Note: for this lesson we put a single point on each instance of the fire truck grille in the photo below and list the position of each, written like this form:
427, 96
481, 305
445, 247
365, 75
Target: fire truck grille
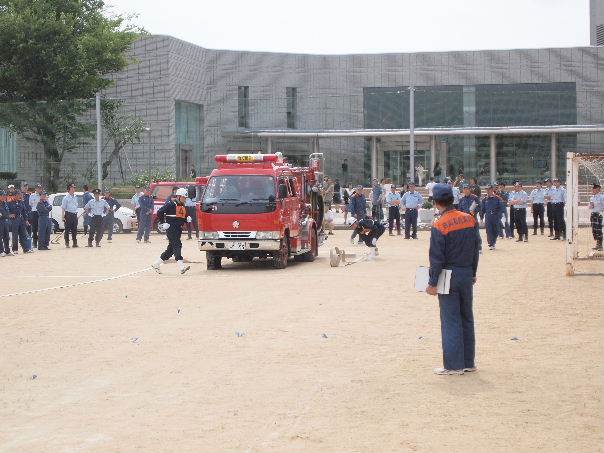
237, 234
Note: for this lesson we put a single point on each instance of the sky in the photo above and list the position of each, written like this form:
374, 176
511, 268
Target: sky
378, 26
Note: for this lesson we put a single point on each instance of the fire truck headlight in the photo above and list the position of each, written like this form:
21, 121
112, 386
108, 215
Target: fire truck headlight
208, 235
268, 235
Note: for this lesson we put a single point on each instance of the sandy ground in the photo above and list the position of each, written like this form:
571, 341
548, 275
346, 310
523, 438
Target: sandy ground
308, 359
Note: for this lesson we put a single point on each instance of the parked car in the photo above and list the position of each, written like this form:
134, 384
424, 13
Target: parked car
125, 219
161, 190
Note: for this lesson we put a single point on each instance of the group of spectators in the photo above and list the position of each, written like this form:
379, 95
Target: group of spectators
24, 219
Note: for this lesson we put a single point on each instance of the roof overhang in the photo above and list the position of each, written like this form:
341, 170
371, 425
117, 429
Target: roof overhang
438, 131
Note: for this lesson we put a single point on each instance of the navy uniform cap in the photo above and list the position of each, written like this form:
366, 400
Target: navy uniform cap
597, 186
465, 186
366, 223
441, 192
96, 191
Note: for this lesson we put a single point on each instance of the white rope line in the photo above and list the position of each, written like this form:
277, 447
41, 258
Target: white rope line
73, 285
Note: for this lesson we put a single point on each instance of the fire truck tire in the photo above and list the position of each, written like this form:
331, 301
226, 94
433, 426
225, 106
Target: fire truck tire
280, 258
313, 252
213, 261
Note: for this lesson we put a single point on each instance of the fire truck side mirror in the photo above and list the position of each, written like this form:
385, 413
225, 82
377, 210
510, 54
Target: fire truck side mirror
282, 191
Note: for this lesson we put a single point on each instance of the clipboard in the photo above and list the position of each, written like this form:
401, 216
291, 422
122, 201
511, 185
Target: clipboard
422, 275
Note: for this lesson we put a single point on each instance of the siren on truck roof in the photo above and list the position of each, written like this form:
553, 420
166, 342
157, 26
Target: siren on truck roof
249, 158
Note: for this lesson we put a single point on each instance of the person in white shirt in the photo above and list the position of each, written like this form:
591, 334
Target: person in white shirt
537, 198
596, 206
393, 200
430, 187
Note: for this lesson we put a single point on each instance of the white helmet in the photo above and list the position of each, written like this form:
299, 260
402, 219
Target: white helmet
182, 192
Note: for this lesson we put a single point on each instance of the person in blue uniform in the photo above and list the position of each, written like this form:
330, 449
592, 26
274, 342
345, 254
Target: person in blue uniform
491, 210
470, 204
370, 233
454, 245
96, 210
411, 202
519, 201
557, 196
17, 215
171, 216
145, 204
393, 200
109, 219
43, 208
4, 226
596, 206
537, 198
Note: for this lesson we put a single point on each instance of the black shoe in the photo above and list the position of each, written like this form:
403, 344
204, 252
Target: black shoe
75, 246
519, 239
413, 237
555, 238
67, 245
525, 239
407, 237
390, 234
98, 245
89, 245
535, 233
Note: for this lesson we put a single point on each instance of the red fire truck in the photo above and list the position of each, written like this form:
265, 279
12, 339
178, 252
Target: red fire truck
162, 190
258, 206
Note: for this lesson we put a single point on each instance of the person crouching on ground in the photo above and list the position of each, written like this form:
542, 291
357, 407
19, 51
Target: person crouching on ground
43, 208
171, 216
454, 245
370, 233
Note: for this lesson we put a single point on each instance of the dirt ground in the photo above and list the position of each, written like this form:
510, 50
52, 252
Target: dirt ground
308, 359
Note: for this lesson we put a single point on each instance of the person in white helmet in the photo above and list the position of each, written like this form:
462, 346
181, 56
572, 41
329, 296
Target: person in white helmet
171, 216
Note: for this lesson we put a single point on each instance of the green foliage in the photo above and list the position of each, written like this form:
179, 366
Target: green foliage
145, 178
60, 49
427, 205
121, 130
54, 57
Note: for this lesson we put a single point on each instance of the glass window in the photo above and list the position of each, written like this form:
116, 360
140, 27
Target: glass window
243, 106
525, 159
239, 194
291, 94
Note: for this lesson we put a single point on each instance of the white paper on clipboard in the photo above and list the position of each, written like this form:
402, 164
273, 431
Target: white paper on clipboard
422, 276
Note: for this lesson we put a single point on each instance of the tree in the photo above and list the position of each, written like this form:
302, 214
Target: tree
121, 130
54, 57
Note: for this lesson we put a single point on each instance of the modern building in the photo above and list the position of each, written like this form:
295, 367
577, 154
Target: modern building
596, 22
495, 114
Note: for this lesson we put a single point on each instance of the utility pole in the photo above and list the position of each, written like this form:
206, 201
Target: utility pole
412, 133
99, 132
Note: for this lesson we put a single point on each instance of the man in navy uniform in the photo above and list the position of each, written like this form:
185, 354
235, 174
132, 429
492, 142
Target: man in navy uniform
411, 201
18, 221
454, 245
491, 211
537, 198
96, 210
371, 230
470, 204
4, 226
145, 204
171, 216
86, 197
109, 219
43, 210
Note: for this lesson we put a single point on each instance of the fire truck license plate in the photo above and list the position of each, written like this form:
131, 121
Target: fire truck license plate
237, 246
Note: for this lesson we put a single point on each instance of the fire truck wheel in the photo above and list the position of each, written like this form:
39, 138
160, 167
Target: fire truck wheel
213, 261
280, 257
313, 252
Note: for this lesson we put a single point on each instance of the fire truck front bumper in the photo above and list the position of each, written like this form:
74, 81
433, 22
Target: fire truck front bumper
251, 241
229, 245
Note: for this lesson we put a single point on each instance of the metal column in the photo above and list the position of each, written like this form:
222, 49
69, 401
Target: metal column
493, 158
99, 138
373, 158
432, 154
554, 155
269, 145
412, 133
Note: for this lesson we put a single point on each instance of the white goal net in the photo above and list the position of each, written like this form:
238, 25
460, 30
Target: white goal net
584, 232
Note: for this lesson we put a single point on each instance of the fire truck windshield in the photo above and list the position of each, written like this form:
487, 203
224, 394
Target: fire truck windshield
239, 194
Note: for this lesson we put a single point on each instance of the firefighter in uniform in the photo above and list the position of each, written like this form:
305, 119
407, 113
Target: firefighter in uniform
370, 233
596, 206
549, 210
4, 226
171, 217
491, 210
557, 196
518, 200
454, 245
